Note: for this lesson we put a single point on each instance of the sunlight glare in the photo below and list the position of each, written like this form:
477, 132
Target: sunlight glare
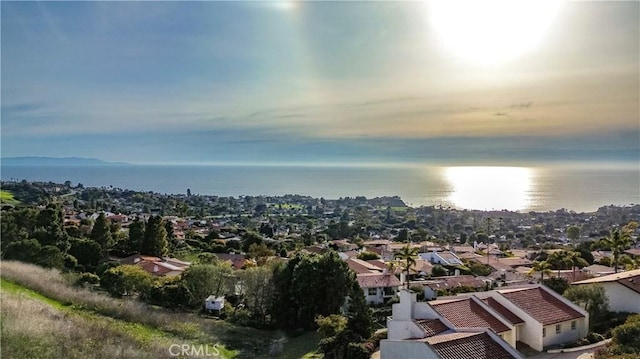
487, 188
492, 31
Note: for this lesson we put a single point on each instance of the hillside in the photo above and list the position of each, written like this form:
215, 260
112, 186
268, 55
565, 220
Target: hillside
43, 316
54, 161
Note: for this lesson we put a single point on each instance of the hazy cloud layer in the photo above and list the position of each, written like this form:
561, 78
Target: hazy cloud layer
337, 81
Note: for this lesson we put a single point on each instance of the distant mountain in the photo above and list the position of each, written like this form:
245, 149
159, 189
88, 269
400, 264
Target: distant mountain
55, 161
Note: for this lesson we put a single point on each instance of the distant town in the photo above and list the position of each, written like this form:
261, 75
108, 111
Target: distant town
509, 281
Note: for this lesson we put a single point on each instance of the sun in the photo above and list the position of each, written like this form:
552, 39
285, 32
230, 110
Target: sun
486, 188
491, 31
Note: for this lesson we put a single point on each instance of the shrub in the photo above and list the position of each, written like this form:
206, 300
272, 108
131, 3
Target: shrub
627, 336
87, 279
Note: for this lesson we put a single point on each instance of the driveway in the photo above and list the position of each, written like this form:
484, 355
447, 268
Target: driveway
582, 354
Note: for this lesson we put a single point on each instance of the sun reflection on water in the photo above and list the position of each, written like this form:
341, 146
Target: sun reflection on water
485, 188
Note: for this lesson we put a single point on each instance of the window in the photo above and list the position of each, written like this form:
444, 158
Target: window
544, 332
558, 328
573, 325
388, 291
373, 291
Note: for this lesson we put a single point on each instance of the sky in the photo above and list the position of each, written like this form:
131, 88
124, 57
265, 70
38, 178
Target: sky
322, 82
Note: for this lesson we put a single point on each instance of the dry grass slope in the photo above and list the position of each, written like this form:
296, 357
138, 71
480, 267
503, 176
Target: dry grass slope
33, 329
236, 342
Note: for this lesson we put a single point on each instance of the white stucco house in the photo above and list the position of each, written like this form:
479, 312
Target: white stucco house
549, 319
532, 314
622, 290
417, 330
444, 258
378, 287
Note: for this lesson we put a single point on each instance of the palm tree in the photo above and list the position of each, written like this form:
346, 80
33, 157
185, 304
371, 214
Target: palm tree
617, 243
407, 253
541, 267
557, 260
576, 261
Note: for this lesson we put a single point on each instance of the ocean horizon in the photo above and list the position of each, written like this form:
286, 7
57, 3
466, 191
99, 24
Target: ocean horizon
535, 188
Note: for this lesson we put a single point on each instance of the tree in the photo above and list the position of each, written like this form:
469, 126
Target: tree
342, 336
136, 235
403, 235
573, 233
101, 233
438, 271
592, 298
207, 258
203, 280
26, 250
86, 251
542, 267
126, 280
617, 242
366, 256
557, 284
51, 257
250, 238
259, 290
585, 252
298, 301
626, 338
359, 313
261, 253
576, 261
155, 237
407, 254
51, 221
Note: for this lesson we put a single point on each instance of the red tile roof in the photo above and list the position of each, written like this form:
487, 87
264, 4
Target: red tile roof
633, 251
432, 326
237, 260
466, 313
632, 283
506, 313
468, 346
359, 266
372, 280
542, 306
160, 268
136, 258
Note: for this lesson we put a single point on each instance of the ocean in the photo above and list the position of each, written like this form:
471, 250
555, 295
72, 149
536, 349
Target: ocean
536, 188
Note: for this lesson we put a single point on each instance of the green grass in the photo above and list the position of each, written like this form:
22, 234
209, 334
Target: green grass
303, 346
7, 197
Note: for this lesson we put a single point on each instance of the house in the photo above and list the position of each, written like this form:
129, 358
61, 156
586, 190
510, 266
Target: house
449, 284
443, 258
549, 319
622, 290
471, 312
348, 254
417, 330
237, 260
533, 314
378, 287
598, 270
359, 266
161, 267
213, 303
